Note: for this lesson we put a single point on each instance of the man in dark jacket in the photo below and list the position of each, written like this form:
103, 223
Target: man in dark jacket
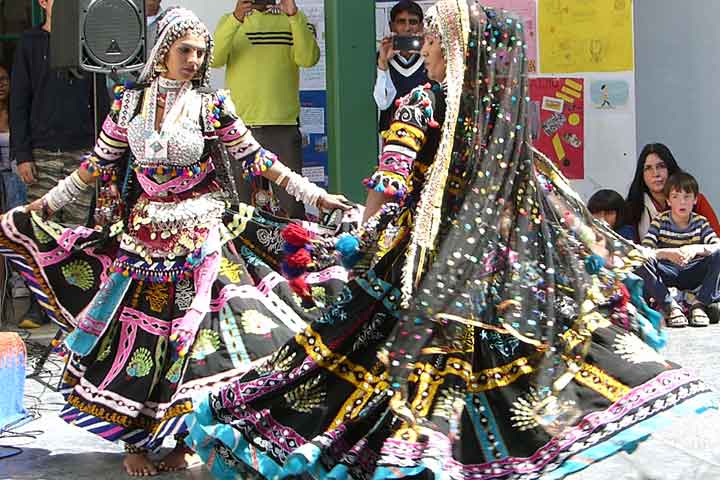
52, 124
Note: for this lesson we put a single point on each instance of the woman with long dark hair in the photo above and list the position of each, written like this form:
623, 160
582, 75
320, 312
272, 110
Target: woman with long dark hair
484, 333
646, 197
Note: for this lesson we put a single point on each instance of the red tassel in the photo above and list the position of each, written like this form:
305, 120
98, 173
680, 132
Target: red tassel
299, 259
624, 295
300, 286
296, 235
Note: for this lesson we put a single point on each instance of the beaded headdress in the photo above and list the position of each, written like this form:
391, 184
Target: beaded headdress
450, 20
175, 23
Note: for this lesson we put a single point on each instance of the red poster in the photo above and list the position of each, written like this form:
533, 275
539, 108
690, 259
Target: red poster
557, 117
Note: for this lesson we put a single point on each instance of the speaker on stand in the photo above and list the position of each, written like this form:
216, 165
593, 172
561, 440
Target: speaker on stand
98, 36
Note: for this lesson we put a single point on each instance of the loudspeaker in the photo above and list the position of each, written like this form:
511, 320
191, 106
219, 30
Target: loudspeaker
98, 35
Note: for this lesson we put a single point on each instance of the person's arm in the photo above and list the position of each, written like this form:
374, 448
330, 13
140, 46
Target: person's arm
256, 161
705, 209
224, 36
101, 166
306, 51
385, 91
710, 243
21, 105
403, 141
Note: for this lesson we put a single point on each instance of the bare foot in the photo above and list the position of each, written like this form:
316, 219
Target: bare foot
180, 458
139, 465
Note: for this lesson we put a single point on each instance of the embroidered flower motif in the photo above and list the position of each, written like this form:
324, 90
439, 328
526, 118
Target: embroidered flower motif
157, 295
631, 348
542, 409
255, 323
308, 396
79, 274
230, 270
450, 404
173, 373
140, 364
206, 343
282, 361
41, 235
184, 294
319, 296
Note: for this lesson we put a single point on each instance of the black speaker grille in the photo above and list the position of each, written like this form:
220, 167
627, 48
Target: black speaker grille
112, 31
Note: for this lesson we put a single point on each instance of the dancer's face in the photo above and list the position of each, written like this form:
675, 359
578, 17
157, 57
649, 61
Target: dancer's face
434, 59
185, 57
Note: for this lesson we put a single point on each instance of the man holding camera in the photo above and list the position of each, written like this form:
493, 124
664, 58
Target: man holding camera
400, 66
263, 44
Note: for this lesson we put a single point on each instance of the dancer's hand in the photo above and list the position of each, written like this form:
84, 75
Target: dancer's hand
333, 202
35, 206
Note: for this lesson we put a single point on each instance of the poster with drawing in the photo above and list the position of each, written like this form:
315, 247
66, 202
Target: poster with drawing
558, 121
527, 11
610, 95
585, 36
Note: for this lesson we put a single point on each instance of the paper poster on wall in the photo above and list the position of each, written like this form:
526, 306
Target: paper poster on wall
314, 78
313, 128
313, 101
585, 36
559, 113
610, 95
527, 11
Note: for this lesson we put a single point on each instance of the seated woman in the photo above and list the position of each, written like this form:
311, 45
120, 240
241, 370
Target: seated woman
646, 197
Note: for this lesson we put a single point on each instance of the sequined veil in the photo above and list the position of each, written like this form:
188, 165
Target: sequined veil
501, 335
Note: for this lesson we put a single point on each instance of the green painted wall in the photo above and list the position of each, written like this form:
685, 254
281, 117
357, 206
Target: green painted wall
352, 135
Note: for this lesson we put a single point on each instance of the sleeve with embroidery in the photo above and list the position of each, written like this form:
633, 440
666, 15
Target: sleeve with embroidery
110, 146
237, 138
402, 142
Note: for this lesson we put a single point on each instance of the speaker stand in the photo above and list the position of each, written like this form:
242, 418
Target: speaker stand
35, 375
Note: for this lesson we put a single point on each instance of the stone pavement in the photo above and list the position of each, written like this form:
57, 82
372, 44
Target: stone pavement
687, 450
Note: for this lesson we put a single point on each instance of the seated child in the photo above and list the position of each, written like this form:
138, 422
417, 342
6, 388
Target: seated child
686, 248
609, 206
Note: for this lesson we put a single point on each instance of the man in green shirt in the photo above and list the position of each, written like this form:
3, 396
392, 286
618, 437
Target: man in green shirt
263, 48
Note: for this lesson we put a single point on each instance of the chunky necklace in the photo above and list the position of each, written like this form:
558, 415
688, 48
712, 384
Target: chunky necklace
169, 85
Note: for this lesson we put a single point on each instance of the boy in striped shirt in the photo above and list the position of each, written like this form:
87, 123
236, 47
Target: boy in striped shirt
686, 247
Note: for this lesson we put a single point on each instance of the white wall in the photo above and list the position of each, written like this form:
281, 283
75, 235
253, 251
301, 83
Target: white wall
677, 78
209, 12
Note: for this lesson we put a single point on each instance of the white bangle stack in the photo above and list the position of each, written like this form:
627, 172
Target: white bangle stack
67, 190
302, 189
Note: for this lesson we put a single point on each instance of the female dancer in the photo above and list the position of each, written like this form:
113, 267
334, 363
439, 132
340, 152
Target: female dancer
176, 294
486, 333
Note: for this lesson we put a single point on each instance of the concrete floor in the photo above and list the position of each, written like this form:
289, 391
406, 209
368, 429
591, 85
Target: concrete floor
687, 450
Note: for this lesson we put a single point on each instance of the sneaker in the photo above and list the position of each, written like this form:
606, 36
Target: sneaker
713, 312
698, 317
675, 318
33, 318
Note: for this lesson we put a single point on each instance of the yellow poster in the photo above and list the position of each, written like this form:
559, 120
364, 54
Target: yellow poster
585, 35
